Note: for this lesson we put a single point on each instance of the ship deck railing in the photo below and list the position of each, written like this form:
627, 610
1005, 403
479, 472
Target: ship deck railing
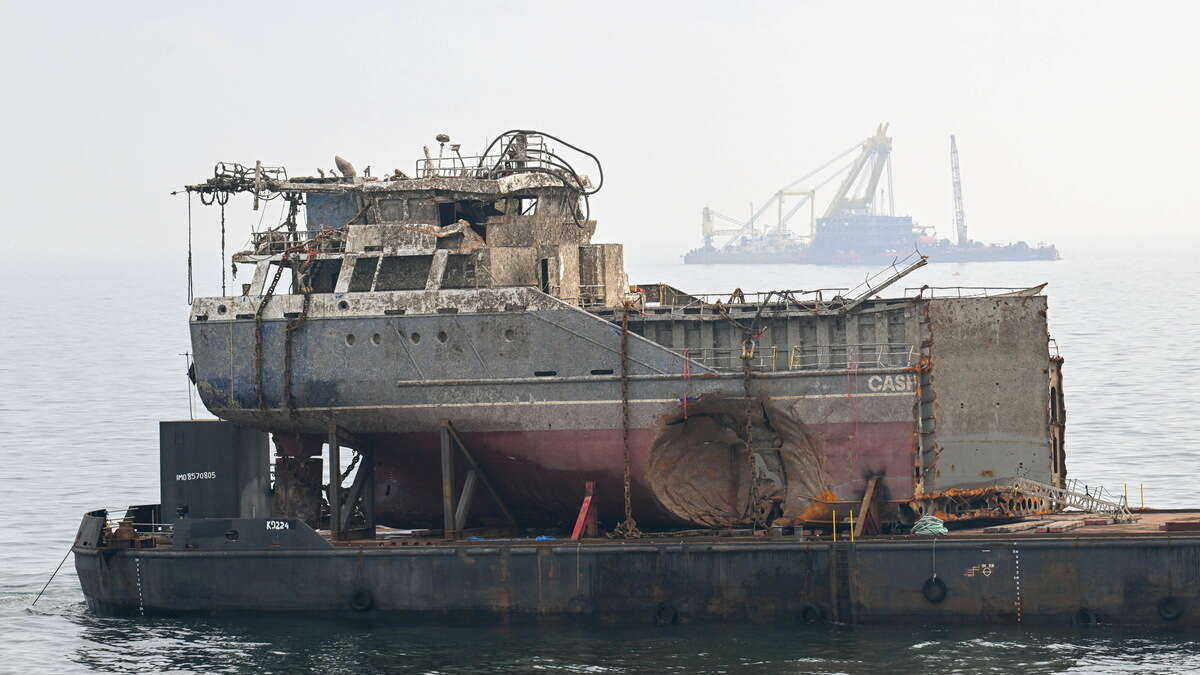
664, 297
963, 291
490, 165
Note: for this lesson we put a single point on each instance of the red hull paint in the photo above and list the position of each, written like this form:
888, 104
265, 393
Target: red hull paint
541, 474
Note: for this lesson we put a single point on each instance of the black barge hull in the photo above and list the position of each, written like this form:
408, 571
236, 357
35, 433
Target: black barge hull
1134, 579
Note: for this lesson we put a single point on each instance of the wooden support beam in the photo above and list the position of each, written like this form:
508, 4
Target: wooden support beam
449, 430
464, 501
335, 484
447, 482
865, 507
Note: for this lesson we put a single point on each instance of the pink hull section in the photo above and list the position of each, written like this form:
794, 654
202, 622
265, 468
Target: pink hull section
541, 474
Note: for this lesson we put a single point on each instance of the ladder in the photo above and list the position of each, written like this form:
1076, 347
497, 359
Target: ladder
1090, 502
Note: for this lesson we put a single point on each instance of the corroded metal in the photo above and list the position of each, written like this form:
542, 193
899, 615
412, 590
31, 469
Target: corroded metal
474, 292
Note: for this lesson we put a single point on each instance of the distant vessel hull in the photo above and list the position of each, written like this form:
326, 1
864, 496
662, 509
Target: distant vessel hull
802, 256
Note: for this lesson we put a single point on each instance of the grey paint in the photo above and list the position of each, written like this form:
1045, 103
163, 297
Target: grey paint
214, 468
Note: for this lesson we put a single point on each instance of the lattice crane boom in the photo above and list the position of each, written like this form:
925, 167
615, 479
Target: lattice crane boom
960, 217
875, 153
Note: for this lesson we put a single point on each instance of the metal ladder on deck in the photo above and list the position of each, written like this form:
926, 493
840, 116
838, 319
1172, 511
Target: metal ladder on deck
1088, 501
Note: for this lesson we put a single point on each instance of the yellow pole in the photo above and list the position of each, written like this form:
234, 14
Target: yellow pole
835, 525
851, 526
1142, 490
1126, 497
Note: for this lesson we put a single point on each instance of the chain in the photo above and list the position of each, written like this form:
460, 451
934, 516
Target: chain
292, 326
627, 529
747, 355
353, 463
750, 336
258, 341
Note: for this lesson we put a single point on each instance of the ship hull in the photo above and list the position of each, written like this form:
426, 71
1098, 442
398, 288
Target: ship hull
541, 474
937, 254
1134, 578
543, 400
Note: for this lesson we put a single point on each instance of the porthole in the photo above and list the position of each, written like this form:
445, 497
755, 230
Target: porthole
342, 304
415, 337
221, 309
441, 336
350, 338
509, 334
376, 339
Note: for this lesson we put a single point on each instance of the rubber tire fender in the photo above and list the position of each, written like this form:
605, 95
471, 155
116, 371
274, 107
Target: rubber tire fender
811, 614
362, 600
934, 590
1170, 608
665, 615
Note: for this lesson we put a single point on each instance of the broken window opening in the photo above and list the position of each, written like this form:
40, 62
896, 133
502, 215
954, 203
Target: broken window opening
447, 214
403, 273
323, 275
544, 275
364, 274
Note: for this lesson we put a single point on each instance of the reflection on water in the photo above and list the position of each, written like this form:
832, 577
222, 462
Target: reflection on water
84, 383
271, 644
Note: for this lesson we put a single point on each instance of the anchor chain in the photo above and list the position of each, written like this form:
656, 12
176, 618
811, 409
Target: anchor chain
294, 325
628, 528
258, 337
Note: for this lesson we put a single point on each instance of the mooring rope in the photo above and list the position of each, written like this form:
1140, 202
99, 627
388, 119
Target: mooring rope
52, 575
930, 526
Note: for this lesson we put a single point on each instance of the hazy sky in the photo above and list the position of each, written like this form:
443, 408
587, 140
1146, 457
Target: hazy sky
1074, 119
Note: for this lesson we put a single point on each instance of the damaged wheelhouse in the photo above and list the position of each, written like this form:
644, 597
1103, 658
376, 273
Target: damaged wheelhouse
467, 302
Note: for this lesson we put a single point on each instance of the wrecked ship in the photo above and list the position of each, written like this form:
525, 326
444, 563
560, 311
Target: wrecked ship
386, 313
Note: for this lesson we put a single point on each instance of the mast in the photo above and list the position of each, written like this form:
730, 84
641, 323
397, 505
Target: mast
960, 219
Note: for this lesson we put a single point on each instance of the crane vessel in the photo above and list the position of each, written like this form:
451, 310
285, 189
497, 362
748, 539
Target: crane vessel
859, 226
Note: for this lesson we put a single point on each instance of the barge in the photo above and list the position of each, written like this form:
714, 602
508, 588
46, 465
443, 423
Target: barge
427, 371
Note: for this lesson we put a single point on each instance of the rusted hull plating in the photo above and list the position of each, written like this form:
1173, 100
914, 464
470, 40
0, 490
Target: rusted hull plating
541, 474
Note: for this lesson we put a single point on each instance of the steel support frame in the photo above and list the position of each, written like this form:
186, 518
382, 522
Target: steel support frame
361, 492
455, 509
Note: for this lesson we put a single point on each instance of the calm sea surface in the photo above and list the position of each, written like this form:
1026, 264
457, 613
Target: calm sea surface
89, 362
